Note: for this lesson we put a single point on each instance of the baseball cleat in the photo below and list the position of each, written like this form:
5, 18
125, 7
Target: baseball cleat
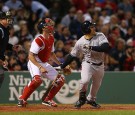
79, 103
21, 103
50, 103
93, 104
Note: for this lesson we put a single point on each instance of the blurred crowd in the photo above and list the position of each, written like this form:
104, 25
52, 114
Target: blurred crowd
115, 18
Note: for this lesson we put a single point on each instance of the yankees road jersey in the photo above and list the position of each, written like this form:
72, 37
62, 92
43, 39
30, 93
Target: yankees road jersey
82, 46
90, 70
42, 47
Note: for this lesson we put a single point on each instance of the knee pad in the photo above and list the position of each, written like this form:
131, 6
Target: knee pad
36, 81
55, 87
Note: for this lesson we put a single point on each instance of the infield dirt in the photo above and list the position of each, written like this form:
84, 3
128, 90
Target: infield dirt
42, 108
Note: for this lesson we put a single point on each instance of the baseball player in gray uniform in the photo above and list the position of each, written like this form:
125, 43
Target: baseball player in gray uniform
92, 45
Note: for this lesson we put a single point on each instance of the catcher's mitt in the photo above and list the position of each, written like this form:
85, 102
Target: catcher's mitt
67, 70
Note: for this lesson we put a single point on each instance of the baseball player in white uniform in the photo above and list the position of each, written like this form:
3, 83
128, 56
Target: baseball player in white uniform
42, 48
92, 45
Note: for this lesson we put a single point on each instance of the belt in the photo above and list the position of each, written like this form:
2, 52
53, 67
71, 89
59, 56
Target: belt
97, 64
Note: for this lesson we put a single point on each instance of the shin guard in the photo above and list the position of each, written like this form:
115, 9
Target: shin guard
31, 87
55, 87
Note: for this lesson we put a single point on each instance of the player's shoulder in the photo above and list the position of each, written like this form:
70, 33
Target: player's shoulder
99, 34
39, 40
79, 41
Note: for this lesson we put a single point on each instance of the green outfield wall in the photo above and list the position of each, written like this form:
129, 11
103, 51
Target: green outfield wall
116, 88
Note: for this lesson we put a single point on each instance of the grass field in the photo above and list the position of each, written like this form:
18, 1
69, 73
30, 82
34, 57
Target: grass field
67, 110
124, 112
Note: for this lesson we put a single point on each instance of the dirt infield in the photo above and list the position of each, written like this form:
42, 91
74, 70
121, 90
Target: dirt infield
42, 108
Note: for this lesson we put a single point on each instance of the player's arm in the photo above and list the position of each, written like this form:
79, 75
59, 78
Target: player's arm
34, 49
103, 44
68, 60
33, 59
105, 47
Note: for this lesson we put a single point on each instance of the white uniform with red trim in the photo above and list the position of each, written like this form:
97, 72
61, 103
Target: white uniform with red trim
43, 48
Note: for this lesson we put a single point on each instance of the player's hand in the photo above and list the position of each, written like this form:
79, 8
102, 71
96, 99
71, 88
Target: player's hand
43, 70
67, 70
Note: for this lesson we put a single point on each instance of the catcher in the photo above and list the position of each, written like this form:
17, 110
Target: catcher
42, 48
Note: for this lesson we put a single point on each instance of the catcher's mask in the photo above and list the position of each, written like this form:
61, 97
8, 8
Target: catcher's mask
7, 15
86, 26
46, 23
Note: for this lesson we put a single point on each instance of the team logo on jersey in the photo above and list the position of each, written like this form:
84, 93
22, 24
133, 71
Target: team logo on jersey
86, 46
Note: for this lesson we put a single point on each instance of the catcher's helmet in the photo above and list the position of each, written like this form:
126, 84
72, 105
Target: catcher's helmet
45, 22
86, 25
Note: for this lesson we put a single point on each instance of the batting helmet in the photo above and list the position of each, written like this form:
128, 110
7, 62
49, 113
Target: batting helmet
45, 22
86, 25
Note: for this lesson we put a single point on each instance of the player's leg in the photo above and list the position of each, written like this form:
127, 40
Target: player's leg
1, 75
85, 78
95, 85
32, 86
58, 82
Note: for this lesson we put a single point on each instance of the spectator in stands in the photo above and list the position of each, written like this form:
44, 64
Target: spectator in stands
129, 34
24, 33
58, 31
55, 11
126, 6
113, 21
68, 18
59, 54
110, 6
80, 4
13, 39
104, 16
123, 27
13, 4
59, 44
117, 53
36, 7
3, 7
16, 67
66, 35
26, 45
129, 62
12, 60
22, 60
75, 25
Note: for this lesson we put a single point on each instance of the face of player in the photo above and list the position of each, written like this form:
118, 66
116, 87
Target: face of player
50, 27
93, 30
6, 22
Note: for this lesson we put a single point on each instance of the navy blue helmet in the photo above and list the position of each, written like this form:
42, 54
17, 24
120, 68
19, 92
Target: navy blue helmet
5, 15
45, 22
86, 25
